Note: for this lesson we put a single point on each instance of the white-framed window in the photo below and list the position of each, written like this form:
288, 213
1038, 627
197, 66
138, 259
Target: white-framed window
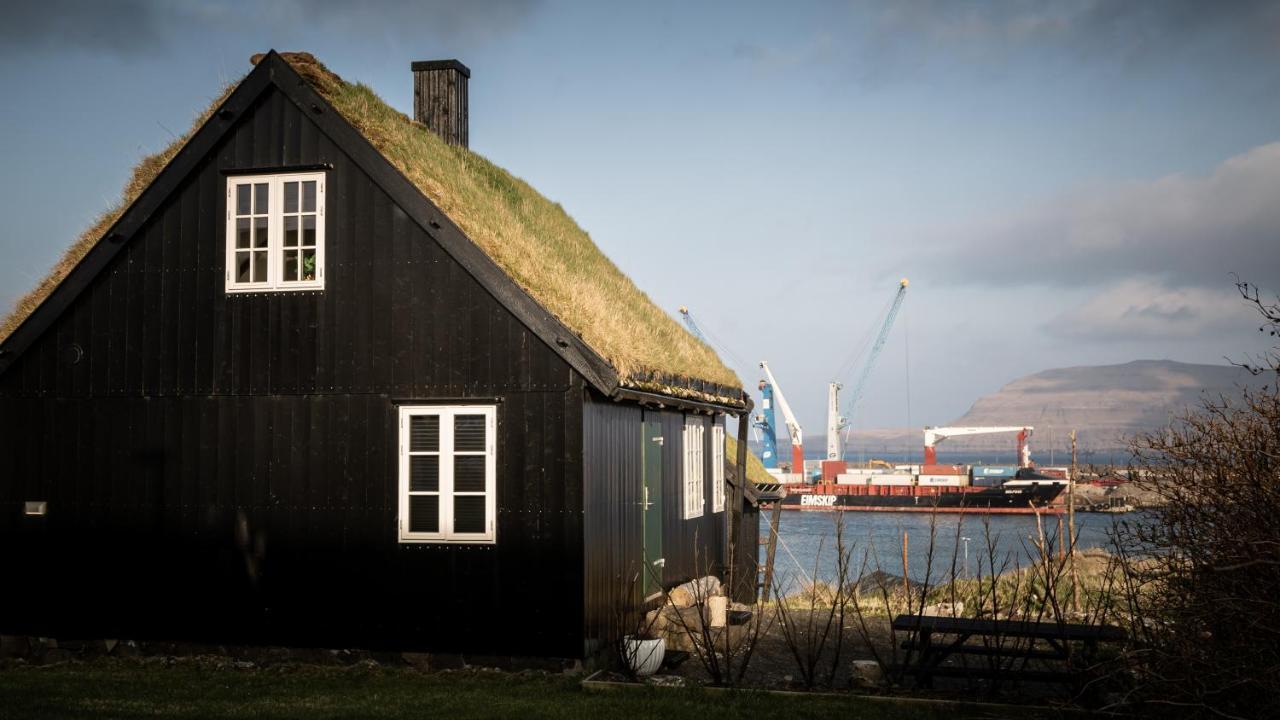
275, 232
695, 488
717, 468
448, 474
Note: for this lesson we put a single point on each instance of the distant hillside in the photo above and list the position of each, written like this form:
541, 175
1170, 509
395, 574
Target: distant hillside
1104, 403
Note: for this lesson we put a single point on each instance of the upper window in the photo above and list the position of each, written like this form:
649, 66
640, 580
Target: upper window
447, 474
275, 232
695, 488
717, 468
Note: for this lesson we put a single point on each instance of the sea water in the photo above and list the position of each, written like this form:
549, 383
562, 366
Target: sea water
807, 542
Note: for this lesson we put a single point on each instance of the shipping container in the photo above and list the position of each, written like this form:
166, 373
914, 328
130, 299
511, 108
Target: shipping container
944, 480
847, 479
894, 480
994, 471
832, 468
987, 481
944, 470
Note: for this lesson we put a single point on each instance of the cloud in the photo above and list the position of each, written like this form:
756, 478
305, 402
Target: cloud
134, 28
1188, 230
1147, 309
1133, 32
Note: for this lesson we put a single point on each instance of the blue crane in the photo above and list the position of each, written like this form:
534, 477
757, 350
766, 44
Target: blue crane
763, 421
834, 421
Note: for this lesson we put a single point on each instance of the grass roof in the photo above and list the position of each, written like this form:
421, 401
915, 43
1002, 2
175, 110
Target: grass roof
530, 237
755, 469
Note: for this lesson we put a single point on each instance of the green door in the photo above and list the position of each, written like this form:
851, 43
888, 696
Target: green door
652, 507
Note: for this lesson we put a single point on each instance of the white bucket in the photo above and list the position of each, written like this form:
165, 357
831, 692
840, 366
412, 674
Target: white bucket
644, 657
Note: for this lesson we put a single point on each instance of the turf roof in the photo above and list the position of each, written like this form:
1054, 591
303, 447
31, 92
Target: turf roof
530, 237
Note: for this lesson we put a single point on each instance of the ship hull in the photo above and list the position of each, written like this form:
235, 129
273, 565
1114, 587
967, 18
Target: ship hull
1029, 498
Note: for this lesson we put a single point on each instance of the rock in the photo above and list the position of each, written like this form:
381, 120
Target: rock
688, 594
418, 661
719, 607
867, 673
667, 681
945, 609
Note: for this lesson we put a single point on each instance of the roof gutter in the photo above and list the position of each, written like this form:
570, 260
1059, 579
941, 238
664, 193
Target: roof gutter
657, 400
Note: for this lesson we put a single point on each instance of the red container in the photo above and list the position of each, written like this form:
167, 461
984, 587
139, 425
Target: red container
944, 470
832, 468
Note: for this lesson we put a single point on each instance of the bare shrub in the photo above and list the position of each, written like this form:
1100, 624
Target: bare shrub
812, 622
1202, 571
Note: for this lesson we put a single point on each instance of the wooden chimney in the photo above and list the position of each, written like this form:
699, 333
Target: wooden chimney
440, 98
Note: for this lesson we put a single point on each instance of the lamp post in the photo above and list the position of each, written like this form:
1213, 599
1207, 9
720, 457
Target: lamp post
966, 556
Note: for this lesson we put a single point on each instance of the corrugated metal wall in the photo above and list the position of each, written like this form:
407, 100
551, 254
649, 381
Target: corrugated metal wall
222, 467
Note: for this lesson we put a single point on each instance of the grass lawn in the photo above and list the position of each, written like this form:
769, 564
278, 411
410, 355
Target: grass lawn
135, 690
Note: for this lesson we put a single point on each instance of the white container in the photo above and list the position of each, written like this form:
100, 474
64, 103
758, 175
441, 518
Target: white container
894, 480
944, 480
644, 657
848, 479
719, 607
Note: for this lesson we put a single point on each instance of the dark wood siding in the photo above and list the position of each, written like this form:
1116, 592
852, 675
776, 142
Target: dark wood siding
612, 481
224, 466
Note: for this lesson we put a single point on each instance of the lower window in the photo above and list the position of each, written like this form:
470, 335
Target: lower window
447, 474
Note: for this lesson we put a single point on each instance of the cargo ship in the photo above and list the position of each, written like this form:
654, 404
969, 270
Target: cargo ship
939, 488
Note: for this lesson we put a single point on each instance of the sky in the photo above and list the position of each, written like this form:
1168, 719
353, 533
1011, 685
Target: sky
1064, 183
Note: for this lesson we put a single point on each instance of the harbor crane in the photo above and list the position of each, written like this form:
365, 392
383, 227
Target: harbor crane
935, 435
837, 422
762, 425
693, 326
770, 387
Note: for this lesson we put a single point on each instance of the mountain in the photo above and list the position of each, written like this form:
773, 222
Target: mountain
1105, 404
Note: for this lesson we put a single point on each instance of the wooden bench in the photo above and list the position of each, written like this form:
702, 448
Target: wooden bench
937, 639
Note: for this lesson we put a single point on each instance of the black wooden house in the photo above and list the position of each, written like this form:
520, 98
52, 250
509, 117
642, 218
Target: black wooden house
299, 390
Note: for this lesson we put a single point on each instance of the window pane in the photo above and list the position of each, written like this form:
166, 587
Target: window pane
309, 230
291, 231
424, 433
424, 513
468, 514
291, 197
309, 196
242, 199
242, 267
259, 266
308, 264
424, 473
468, 473
260, 232
290, 264
468, 432
260, 199
242, 232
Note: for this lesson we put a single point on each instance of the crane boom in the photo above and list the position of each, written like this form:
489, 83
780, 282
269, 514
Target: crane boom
834, 421
935, 435
793, 425
693, 326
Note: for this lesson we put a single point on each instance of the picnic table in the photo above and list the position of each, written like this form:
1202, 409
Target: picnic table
938, 638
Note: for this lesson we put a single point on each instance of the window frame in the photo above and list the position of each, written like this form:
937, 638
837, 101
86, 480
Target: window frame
275, 281
717, 468
694, 481
444, 509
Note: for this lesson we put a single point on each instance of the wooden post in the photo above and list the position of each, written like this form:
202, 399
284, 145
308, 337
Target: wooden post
739, 497
1062, 541
775, 517
906, 584
1071, 526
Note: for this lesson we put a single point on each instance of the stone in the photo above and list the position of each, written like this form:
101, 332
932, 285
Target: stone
688, 594
867, 673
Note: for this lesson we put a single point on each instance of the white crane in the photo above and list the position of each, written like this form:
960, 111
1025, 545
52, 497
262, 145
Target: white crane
793, 425
935, 435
